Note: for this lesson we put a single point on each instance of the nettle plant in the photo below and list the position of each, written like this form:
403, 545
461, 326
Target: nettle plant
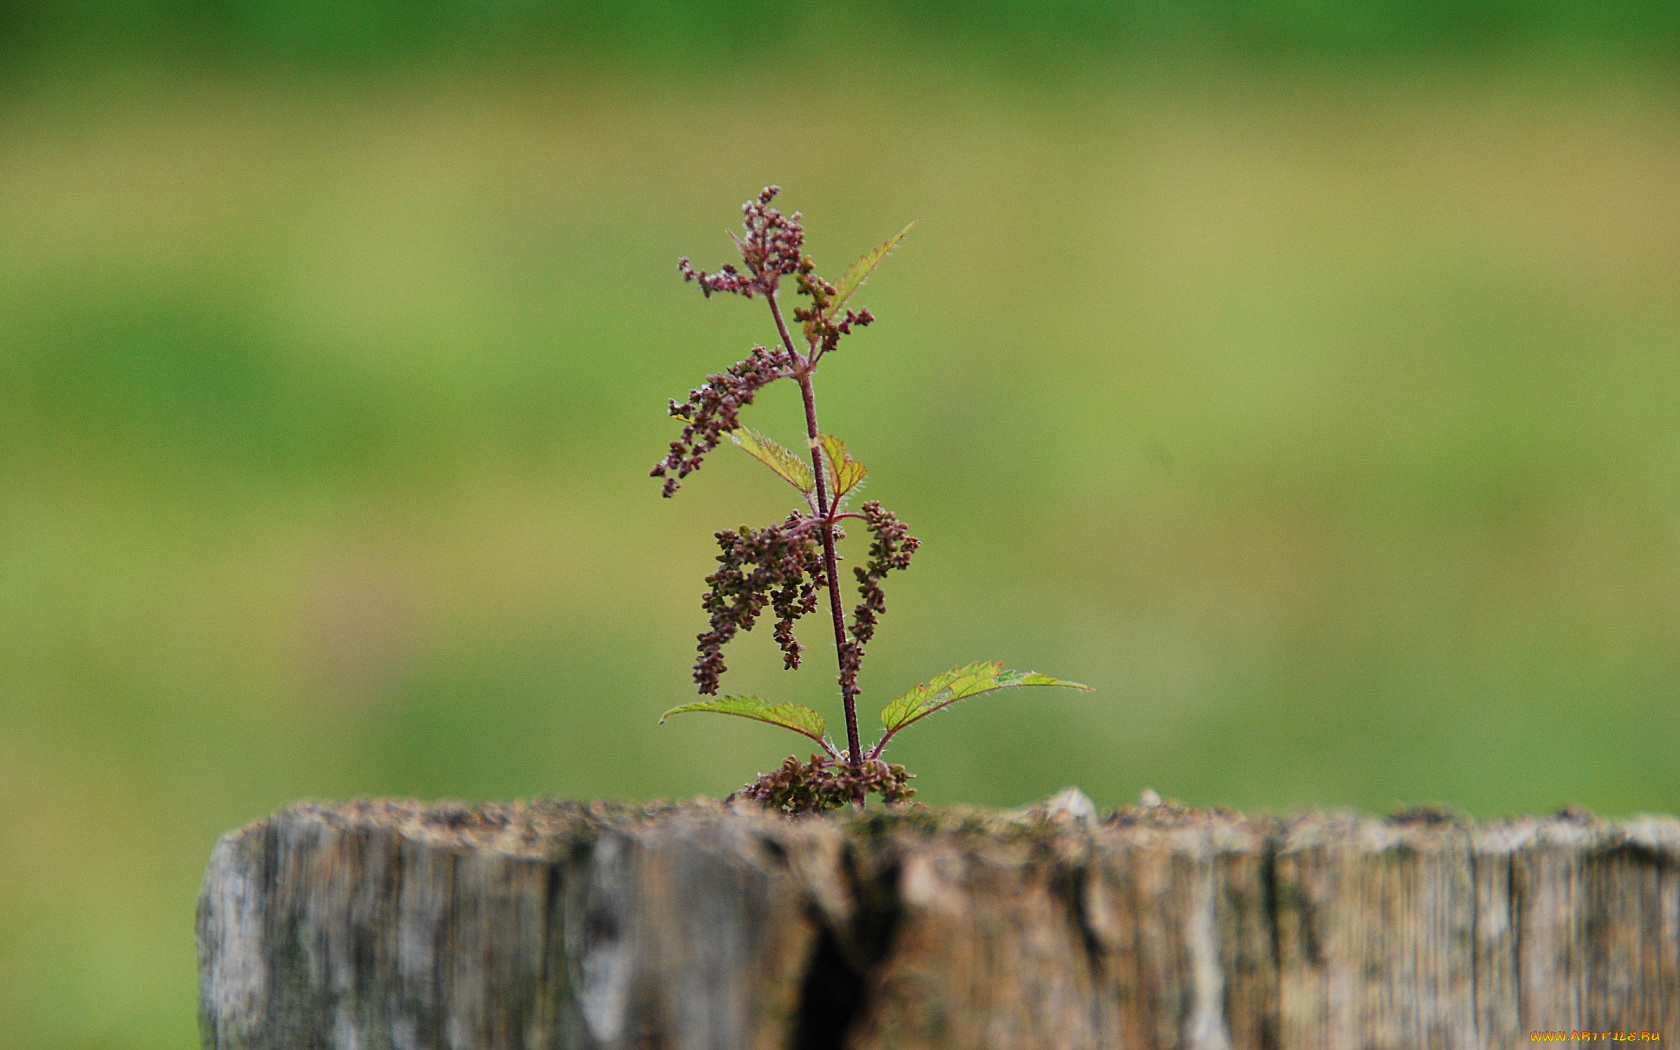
790, 567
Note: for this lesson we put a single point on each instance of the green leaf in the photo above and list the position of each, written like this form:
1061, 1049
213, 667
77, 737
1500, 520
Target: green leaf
960, 683
844, 472
789, 467
859, 272
797, 717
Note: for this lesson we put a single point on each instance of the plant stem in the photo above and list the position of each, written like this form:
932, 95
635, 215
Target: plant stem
848, 674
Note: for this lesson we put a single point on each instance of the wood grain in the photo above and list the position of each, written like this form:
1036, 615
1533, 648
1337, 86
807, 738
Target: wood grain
404, 926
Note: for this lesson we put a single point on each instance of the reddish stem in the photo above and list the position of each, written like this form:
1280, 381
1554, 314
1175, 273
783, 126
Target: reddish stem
848, 674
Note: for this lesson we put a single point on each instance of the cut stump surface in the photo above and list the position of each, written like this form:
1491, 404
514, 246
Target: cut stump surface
698, 926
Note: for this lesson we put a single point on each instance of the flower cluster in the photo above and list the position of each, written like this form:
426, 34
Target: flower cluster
713, 410
822, 331
770, 250
890, 549
780, 566
824, 784
829, 332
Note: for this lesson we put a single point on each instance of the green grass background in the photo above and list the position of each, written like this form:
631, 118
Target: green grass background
1304, 380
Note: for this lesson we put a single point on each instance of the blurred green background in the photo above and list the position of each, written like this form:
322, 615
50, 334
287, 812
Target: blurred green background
1301, 374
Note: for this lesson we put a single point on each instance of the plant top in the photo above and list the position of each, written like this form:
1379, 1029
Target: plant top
790, 567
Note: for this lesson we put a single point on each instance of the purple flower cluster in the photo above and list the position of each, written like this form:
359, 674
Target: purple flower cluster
779, 566
829, 332
891, 548
824, 784
771, 249
713, 410
822, 331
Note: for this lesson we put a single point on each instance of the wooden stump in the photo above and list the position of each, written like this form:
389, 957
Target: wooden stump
399, 925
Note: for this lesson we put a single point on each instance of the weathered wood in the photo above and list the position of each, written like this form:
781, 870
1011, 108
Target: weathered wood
402, 926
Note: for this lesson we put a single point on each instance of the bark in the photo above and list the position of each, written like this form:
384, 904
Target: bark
401, 926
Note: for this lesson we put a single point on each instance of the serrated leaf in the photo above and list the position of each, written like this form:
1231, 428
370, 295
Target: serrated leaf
844, 472
788, 467
797, 717
960, 683
859, 272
